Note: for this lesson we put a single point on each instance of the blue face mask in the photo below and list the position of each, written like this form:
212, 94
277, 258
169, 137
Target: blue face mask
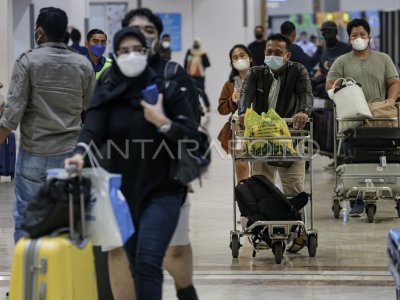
274, 62
97, 50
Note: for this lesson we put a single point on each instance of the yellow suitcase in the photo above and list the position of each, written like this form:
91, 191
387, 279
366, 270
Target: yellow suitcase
55, 267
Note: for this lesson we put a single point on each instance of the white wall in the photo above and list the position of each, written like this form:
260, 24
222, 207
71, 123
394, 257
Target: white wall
21, 27
6, 51
76, 10
351, 5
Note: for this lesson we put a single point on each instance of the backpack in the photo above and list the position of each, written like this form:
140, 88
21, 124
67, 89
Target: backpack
203, 153
48, 211
260, 200
198, 107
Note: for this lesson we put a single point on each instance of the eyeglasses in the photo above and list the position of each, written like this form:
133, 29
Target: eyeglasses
126, 50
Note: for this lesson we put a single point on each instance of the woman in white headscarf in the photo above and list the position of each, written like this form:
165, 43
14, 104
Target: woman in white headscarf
196, 61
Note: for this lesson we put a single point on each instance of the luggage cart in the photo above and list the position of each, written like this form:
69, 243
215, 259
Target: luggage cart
366, 181
280, 232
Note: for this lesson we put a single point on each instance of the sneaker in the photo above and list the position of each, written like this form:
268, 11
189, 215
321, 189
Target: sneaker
331, 166
298, 243
357, 209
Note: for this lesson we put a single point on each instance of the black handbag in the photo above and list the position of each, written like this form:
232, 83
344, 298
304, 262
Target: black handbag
191, 164
49, 210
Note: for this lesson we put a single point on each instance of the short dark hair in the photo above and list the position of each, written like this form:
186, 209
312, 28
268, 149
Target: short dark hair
93, 32
235, 72
287, 28
281, 38
75, 35
356, 23
259, 26
143, 12
54, 22
165, 35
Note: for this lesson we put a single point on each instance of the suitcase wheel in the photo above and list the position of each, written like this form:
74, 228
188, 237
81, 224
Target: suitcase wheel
336, 208
371, 209
235, 245
312, 245
277, 249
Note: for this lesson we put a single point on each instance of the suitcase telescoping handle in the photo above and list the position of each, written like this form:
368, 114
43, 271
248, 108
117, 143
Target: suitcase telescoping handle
72, 172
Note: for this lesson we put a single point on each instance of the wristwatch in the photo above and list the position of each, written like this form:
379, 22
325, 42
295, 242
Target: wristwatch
165, 128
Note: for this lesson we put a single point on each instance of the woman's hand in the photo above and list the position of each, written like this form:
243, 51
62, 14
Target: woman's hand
236, 95
154, 113
77, 160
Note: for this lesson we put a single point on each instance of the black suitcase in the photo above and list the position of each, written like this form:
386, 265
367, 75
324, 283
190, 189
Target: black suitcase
367, 145
8, 154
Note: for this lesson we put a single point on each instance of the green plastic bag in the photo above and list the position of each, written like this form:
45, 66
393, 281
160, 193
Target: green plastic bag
269, 124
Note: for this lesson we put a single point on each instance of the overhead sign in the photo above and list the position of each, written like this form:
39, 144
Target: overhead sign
173, 26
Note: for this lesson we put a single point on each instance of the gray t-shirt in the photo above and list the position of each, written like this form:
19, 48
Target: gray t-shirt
371, 72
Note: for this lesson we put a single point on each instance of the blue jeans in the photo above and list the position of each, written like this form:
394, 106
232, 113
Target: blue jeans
30, 174
146, 249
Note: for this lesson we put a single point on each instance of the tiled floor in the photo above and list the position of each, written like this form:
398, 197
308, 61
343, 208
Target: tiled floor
350, 263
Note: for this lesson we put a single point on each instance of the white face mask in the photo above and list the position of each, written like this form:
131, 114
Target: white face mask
242, 64
360, 44
37, 39
166, 44
132, 64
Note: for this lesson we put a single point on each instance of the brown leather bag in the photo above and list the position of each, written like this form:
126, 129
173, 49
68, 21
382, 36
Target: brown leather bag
382, 109
224, 136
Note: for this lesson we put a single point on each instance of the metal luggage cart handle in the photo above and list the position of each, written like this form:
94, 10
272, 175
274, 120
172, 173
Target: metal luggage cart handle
273, 223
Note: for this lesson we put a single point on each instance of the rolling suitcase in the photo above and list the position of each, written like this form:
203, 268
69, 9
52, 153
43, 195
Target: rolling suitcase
367, 145
55, 267
7, 156
393, 251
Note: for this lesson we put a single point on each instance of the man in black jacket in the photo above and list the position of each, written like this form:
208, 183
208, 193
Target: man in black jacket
284, 86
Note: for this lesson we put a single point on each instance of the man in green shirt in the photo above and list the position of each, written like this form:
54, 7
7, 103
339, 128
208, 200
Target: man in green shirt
374, 70
96, 43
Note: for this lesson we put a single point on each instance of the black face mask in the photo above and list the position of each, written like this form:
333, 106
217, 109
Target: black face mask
329, 35
196, 46
259, 35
